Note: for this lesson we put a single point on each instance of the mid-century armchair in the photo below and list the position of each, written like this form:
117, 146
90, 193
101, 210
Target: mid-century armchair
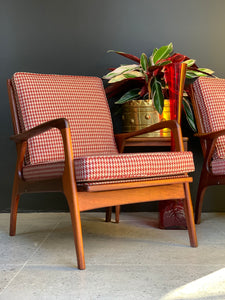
65, 142
208, 100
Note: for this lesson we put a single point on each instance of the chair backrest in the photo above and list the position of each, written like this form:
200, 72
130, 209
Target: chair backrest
81, 99
209, 107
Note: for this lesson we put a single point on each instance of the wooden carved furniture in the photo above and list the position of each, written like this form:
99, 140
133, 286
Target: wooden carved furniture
208, 100
65, 142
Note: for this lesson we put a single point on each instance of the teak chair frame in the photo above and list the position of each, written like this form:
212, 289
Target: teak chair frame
208, 143
98, 196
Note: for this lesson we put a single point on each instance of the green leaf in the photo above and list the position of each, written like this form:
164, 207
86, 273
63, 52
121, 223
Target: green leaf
164, 63
154, 51
133, 74
130, 95
144, 61
163, 52
117, 78
198, 72
157, 95
209, 71
189, 62
121, 70
191, 74
126, 75
189, 113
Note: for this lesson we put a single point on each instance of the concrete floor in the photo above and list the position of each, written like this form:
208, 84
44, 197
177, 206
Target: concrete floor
130, 260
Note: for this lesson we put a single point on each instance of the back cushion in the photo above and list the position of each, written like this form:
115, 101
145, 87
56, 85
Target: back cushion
80, 99
210, 97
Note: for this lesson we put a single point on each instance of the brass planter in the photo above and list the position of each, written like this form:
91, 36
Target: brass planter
138, 114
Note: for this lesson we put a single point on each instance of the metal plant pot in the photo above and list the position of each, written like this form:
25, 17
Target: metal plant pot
138, 114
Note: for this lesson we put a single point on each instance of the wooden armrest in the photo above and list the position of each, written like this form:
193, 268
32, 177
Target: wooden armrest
210, 143
21, 139
56, 123
172, 124
211, 135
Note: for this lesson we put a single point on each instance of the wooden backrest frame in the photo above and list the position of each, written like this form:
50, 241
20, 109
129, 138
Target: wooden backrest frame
13, 108
198, 119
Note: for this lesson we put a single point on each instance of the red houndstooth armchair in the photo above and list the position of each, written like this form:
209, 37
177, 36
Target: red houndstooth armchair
208, 99
65, 142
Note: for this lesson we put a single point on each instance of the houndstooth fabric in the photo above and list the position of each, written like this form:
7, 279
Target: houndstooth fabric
218, 166
210, 97
117, 167
80, 99
125, 166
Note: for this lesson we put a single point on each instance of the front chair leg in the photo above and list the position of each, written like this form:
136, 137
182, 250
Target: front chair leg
189, 216
77, 231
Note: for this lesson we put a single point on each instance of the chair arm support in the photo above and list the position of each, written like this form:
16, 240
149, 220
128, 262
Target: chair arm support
172, 124
61, 123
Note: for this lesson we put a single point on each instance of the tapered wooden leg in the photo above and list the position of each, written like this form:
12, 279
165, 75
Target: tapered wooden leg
21, 149
70, 191
108, 214
190, 216
117, 213
199, 200
77, 232
14, 206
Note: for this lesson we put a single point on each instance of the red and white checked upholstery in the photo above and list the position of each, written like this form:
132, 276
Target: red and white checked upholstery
218, 166
117, 167
210, 97
80, 99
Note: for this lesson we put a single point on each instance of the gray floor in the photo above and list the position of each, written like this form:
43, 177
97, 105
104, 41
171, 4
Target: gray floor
130, 260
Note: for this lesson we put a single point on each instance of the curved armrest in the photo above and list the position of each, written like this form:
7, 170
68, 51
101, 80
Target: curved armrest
211, 135
172, 124
21, 139
61, 123
210, 142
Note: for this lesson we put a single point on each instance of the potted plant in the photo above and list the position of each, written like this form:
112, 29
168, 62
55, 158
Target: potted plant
146, 79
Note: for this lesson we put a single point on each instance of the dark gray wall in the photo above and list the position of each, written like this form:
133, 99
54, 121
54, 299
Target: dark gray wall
72, 37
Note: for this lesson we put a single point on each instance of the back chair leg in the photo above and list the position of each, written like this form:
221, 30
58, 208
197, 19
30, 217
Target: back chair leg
108, 214
14, 206
117, 213
189, 216
199, 200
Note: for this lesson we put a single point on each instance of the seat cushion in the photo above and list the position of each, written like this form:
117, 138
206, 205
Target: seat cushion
218, 166
80, 99
210, 98
117, 167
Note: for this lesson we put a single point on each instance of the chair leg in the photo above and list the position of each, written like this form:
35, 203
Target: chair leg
117, 213
190, 217
77, 231
14, 207
199, 200
108, 214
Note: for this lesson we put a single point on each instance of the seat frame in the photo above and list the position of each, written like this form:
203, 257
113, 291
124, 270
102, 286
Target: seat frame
208, 144
106, 195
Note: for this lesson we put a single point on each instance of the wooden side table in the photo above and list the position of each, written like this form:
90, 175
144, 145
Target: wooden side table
171, 213
153, 142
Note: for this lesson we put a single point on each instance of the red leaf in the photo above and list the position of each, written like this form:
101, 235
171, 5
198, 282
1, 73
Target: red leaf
130, 56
